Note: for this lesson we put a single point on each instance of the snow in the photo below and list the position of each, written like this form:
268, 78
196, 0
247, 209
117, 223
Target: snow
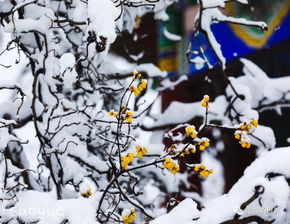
216, 179
171, 36
66, 61
267, 89
183, 213
42, 207
168, 84
67, 64
198, 61
212, 3
265, 134
5, 136
208, 16
231, 201
276, 190
102, 19
218, 3
114, 63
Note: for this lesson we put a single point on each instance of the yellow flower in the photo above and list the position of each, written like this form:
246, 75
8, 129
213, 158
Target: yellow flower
247, 126
245, 144
135, 90
206, 98
205, 101
196, 168
124, 165
203, 144
113, 113
245, 129
141, 151
138, 148
130, 218
190, 131
129, 113
201, 147
202, 171
131, 156
142, 85
126, 160
168, 160
129, 119
193, 150
128, 116
136, 75
87, 194
171, 166
237, 136
206, 143
255, 123
172, 149
175, 169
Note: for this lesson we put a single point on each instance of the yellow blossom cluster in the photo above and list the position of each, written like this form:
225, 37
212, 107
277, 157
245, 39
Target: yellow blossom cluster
128, 116
190, 149
140, 87
247, 126
141, 151
205, 101
172, 149
130, 218
129, 158
242, 134
126, 160
87, 194
203, 144
135, 90
137, 75
190, 131
171, 166
202, 171
113, 113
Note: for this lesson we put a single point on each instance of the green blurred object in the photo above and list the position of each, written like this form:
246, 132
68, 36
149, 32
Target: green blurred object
174, 25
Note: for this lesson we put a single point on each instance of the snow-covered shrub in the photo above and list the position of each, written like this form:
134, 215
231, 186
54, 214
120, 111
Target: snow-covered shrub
90, 110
